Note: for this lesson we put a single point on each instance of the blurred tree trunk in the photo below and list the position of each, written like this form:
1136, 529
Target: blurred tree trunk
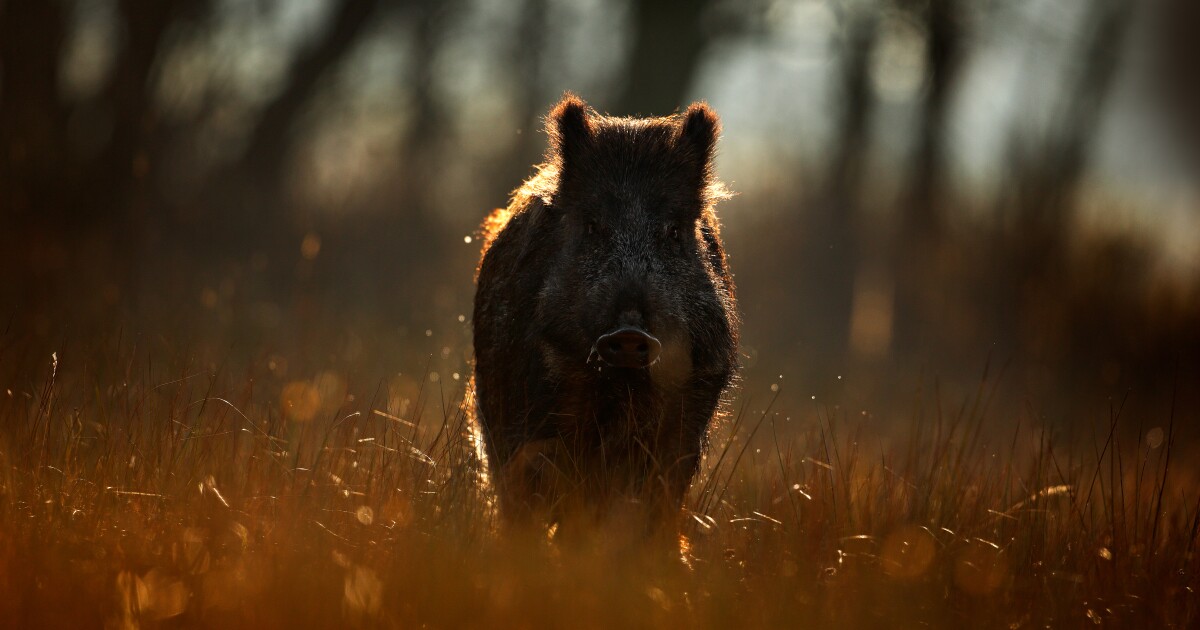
117, 185
33, 148
32, 117
529, 64
421, 147
667, 43
1046, 182
920, 237
250, 213
271, 140
830, 253
105, 195
1048, 185
402, 281
418, 234
1176, 62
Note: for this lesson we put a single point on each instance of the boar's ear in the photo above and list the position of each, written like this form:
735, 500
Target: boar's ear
570, 131
698, 136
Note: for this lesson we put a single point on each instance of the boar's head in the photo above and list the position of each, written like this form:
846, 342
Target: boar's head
639, 287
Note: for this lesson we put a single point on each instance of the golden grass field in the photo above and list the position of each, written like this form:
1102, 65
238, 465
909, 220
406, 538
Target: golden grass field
142, 487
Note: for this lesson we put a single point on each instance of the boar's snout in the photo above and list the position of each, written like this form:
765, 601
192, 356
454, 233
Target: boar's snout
627, 348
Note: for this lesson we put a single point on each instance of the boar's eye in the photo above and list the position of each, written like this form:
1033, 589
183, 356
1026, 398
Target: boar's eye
672, 232
591, 227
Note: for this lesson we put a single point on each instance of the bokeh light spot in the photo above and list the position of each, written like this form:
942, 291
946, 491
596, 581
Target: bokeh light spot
300, 401
908, 553
980, 569
310, 246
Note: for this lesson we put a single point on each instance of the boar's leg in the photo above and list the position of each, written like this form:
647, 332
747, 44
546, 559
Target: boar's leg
679, 445
532, 483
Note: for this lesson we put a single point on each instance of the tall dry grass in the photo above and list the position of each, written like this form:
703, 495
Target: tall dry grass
143, 487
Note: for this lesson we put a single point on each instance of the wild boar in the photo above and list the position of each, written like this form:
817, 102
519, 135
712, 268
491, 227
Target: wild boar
605, 321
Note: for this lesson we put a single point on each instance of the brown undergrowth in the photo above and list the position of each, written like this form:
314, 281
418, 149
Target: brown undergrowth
139, 488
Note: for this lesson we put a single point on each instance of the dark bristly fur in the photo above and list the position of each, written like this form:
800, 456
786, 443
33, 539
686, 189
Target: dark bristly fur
616, 229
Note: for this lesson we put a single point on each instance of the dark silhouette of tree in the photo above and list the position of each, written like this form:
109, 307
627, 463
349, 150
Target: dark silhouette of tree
421, 145
417, 238
271, 139
921, 222
117, 184
527, 58
106, 193
1049, 178
1175, 58
247, 210
667, 44
38, 164
1046, 177
32, 116
246, 205
830, 249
